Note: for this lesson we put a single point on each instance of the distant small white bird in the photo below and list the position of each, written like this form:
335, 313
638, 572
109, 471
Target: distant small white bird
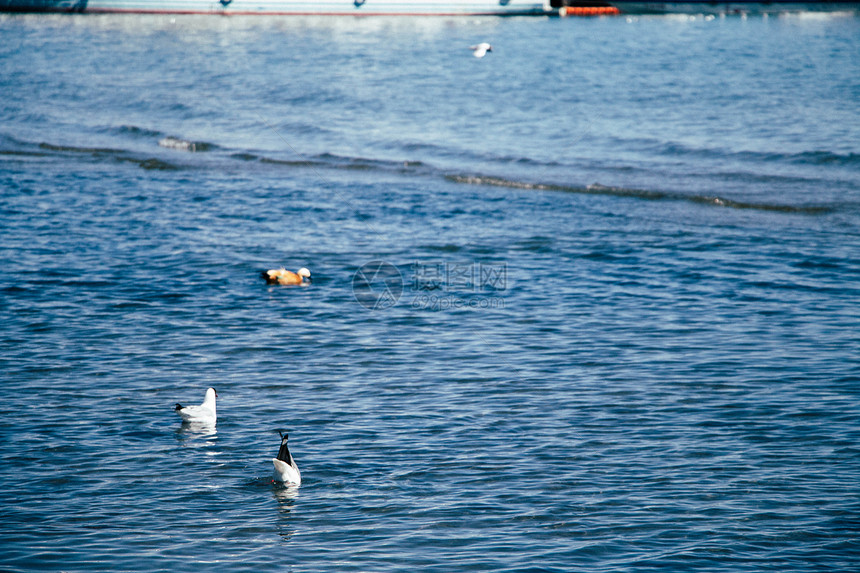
481, 49
204, 413
286, 470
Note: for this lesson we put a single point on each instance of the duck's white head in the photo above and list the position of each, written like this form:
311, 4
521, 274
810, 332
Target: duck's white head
303, 272
211, 394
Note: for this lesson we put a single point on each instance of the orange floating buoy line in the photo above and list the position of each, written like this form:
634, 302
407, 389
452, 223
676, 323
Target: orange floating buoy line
585, 8
589, 11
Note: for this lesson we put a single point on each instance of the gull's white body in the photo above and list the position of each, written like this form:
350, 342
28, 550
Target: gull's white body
205, 413
480, 50
286, 470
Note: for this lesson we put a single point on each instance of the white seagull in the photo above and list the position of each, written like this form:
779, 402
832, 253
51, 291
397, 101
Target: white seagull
286, 470
481, 49
202, 414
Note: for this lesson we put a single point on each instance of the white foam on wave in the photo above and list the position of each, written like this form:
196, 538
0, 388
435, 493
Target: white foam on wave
178, 144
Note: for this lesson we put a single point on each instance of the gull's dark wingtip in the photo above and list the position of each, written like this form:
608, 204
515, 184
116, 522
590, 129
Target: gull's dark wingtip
284, 450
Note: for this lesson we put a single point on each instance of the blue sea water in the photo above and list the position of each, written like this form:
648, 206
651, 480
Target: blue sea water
587, 304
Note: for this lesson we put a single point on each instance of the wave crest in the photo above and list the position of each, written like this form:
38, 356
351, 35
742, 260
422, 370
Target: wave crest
644, 194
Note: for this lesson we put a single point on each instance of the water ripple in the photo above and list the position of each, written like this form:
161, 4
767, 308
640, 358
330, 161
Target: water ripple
661, 374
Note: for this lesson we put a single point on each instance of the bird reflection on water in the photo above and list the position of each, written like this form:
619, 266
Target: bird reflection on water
286, 496
196, 434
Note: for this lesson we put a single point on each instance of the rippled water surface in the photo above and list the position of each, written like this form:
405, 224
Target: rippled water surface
587, 304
